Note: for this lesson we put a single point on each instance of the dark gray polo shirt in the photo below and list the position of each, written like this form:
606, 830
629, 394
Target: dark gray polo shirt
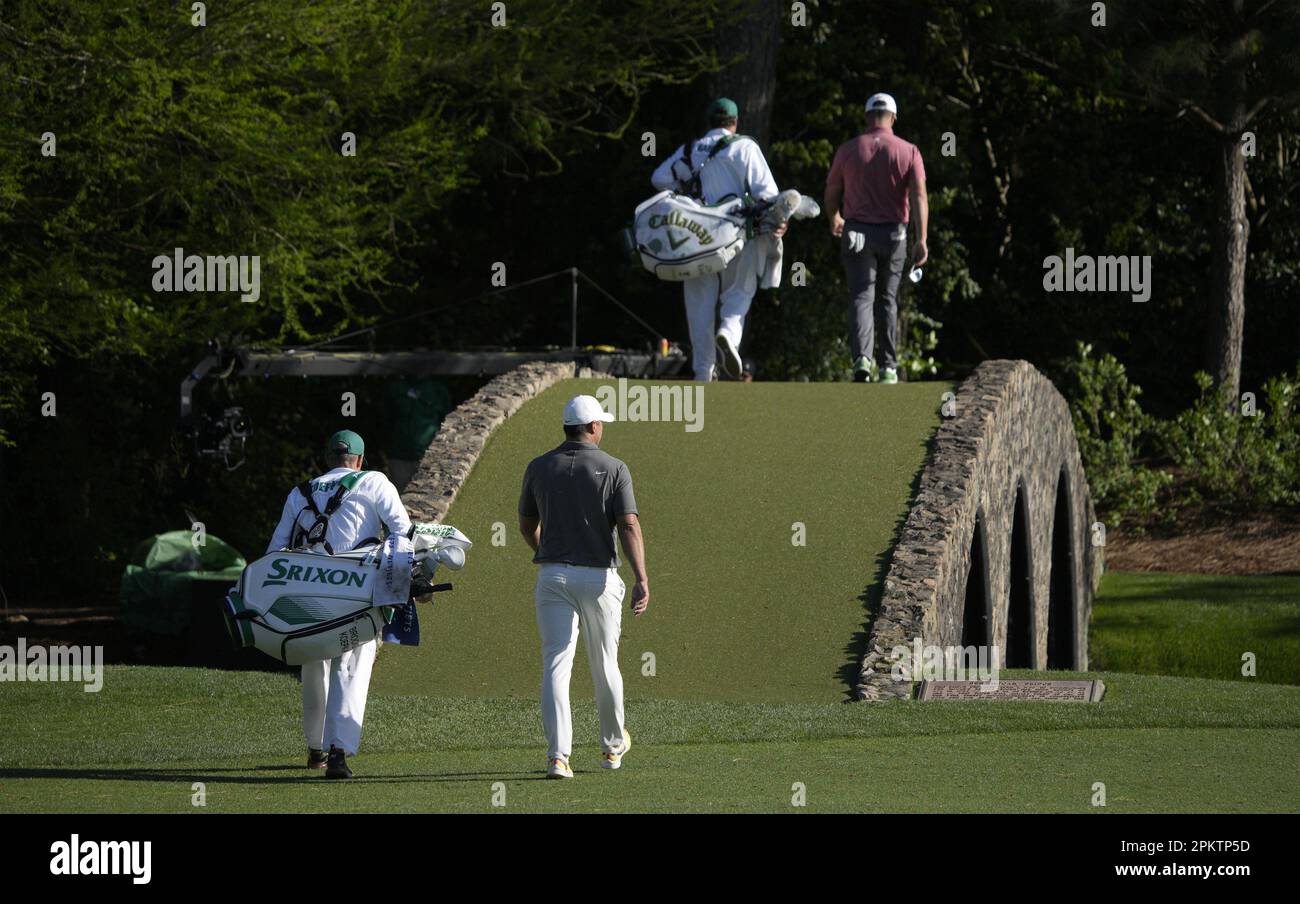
578, 492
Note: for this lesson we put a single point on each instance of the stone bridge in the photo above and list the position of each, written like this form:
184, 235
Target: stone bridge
996, 549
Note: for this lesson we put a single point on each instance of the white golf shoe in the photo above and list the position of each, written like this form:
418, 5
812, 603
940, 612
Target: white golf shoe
614, 760
559, 769
729, 363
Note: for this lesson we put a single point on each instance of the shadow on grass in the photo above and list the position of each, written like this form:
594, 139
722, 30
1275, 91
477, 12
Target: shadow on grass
871, 596
1228, 606
1217, 591
220, 776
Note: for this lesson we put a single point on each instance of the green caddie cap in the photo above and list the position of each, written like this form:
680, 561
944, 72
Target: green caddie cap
724, 106
346, 441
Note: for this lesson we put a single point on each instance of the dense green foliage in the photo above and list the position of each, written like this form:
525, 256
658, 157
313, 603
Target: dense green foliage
1144, 469
227, 139
1114, 436
1245, 457
524, 145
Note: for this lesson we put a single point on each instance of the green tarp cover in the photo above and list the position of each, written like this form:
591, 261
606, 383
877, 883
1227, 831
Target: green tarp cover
155, 593
416, 407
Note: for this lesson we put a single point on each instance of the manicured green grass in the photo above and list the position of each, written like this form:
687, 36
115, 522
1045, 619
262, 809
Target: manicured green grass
738, 612
1165, 770
1159, 744
1198, 625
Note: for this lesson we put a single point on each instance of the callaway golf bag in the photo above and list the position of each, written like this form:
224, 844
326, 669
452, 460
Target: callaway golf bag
302, 606
680, 238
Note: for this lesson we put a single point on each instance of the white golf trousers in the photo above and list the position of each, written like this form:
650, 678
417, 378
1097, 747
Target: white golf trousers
569, 598
334, 699
734, 288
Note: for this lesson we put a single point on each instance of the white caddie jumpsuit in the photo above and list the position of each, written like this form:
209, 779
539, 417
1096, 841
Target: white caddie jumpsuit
334, 691
736, 167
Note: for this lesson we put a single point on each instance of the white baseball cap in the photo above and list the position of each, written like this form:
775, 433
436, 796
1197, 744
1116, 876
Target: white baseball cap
584, 409
881, 102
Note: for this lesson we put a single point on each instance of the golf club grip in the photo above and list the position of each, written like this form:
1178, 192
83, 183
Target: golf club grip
435, 588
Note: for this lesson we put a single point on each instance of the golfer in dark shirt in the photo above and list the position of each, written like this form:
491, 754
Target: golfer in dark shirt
575, 499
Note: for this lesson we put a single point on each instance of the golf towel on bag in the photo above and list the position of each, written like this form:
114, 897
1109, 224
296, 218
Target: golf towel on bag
678, 238
395, 565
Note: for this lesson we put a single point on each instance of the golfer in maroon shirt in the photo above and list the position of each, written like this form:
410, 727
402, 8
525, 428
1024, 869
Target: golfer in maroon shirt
867, 194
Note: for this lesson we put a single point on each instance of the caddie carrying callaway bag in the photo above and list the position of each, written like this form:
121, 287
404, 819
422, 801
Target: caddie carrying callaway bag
679, 238
302, 606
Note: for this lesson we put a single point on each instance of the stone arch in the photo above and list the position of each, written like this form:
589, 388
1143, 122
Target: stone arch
977, 609
1063, 631
1009, 443
1019, 650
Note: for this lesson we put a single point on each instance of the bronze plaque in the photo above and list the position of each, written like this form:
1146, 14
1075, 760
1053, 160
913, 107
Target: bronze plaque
1046, 691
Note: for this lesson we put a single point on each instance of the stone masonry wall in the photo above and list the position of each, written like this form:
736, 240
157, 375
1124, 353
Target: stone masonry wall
1011, 430
464, 432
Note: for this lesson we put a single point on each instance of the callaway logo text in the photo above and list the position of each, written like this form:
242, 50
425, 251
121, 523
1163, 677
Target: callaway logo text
676, 219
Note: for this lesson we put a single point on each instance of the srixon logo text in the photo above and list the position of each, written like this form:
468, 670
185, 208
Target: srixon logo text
310, 574
103, 858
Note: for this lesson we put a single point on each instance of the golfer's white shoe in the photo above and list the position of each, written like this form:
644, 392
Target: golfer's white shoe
729, 362
614, 760
559, 769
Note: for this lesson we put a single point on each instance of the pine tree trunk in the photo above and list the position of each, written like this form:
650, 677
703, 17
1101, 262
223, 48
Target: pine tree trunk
1228, 286
750, 81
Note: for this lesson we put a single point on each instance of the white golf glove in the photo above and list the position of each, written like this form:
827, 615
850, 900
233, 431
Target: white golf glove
857, 241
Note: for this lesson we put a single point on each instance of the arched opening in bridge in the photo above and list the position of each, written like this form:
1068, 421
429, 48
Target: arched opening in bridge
1019, 653
1061, 601
975, 614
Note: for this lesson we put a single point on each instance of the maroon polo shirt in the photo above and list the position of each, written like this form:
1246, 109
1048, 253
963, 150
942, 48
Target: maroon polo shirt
875, 172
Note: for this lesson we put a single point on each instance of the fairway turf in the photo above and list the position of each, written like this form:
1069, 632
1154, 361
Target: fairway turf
1198, 625
752, 638
1159, 744
1165, 770
738, 612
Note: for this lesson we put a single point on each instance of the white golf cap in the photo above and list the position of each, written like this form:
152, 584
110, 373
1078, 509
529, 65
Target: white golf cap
584, 409
881, 102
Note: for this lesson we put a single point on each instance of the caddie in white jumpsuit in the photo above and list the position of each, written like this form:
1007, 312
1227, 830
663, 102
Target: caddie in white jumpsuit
738, 168
575, 498
334, 691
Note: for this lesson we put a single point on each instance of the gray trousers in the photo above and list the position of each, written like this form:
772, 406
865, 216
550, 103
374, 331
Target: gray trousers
873, 274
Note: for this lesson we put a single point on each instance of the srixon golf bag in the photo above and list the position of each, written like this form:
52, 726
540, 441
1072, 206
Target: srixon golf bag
680, 238
301, 606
